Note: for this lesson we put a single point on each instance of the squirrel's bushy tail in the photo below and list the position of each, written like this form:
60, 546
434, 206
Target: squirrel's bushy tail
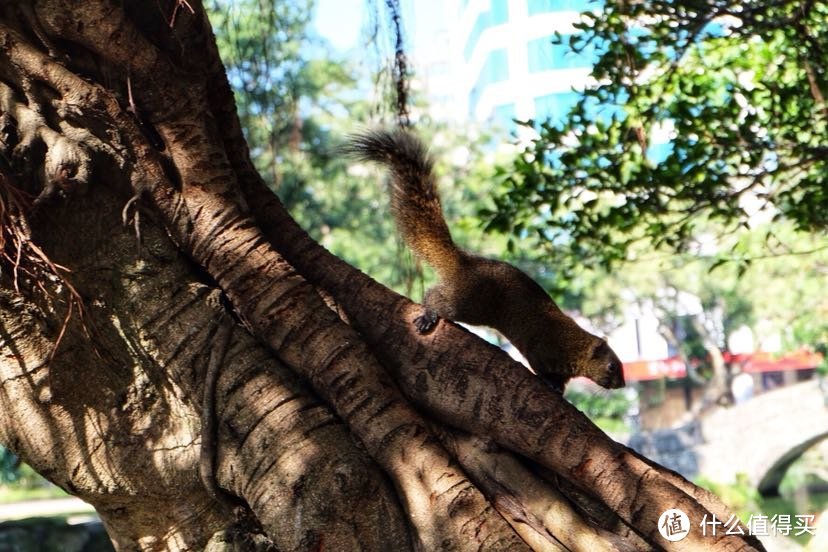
415, 202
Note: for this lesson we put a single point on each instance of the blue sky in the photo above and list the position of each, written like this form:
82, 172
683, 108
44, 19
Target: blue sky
341, 21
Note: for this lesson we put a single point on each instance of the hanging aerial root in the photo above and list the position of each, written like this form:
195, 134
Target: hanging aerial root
64, 170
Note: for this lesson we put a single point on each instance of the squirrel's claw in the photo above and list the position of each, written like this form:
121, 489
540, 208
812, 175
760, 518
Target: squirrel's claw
554, 383
426, 322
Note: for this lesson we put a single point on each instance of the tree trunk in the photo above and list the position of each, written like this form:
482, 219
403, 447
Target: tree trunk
183, 373
718, 389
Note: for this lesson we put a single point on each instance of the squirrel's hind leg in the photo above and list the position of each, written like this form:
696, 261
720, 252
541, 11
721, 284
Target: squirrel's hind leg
436, 305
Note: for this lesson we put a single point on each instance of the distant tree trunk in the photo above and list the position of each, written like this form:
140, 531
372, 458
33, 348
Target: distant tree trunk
718, 389
337, 426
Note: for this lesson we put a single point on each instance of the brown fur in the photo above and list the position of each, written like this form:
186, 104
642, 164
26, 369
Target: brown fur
476, 290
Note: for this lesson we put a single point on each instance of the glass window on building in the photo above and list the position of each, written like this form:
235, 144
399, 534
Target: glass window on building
474, 97
480, 24
504, 115
544, 55
540, 54
497, 14
495, 69
546, 6
555, 107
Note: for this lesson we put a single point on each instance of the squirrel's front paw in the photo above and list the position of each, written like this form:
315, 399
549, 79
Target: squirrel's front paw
557, 384
426, 322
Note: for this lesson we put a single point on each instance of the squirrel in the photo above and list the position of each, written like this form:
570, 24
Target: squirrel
477, 290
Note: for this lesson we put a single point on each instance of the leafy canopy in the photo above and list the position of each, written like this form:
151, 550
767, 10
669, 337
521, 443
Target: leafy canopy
705, 114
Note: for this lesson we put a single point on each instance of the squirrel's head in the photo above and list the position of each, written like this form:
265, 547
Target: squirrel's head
563, 350
599, 363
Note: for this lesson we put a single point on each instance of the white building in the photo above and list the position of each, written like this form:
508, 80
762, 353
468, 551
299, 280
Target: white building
507, 65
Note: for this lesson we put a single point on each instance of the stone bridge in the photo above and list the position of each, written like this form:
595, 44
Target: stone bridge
759, 438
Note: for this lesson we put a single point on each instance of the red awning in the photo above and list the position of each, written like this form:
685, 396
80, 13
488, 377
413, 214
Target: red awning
673, 367
767, 362
641, 370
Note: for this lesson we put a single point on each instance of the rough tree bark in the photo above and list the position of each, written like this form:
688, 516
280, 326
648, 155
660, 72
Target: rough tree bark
336, 428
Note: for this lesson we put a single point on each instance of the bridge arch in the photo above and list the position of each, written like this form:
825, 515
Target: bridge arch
769, 483
758, 439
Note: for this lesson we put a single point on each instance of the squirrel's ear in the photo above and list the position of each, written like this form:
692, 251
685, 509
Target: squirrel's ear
600, 350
